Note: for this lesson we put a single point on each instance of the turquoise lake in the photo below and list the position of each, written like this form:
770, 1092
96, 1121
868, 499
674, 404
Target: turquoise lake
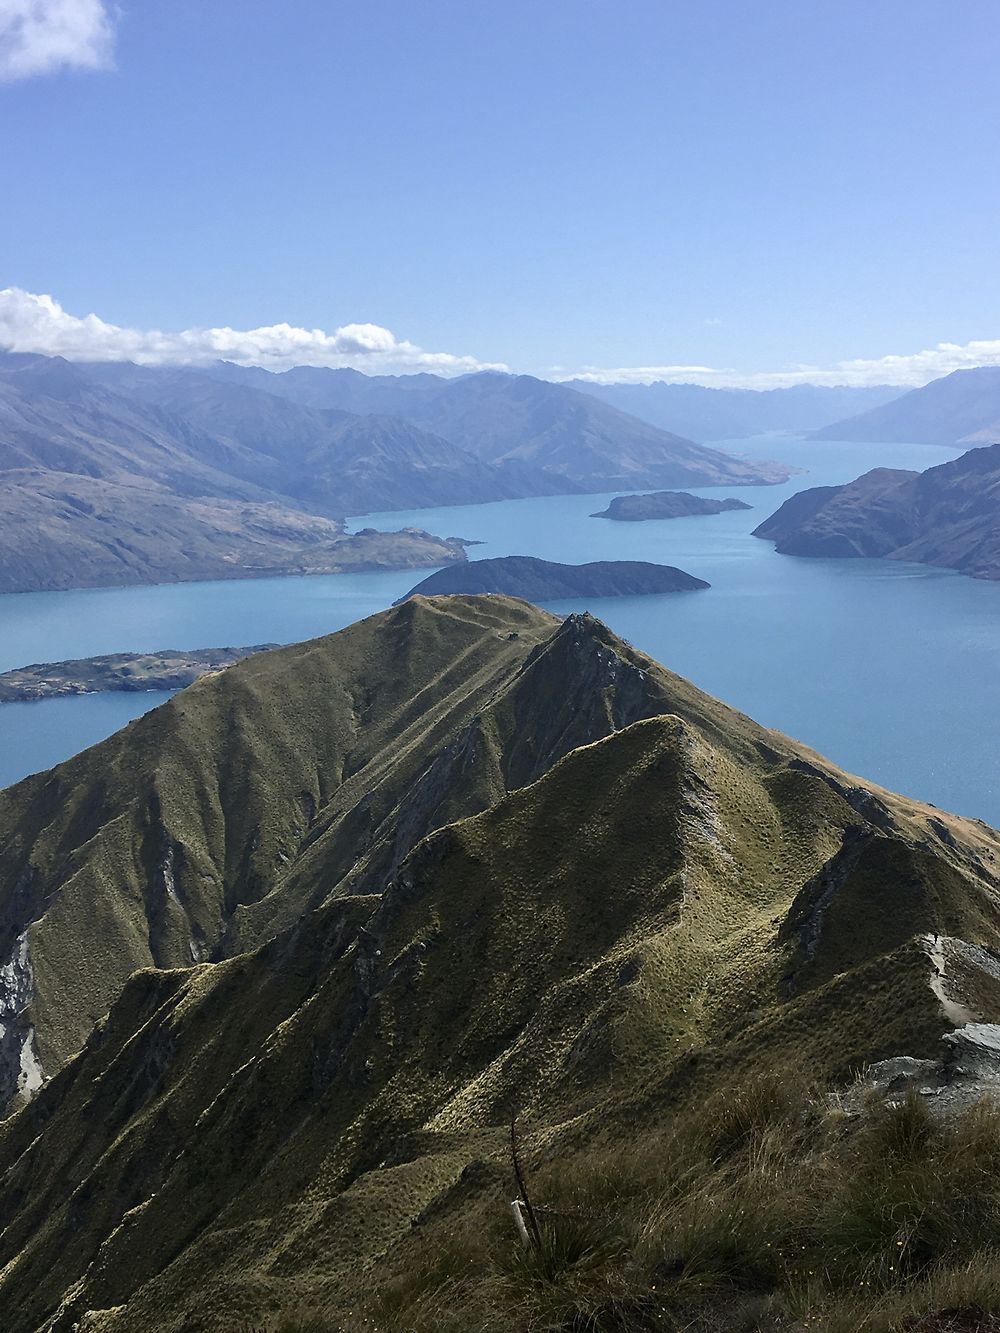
891, 670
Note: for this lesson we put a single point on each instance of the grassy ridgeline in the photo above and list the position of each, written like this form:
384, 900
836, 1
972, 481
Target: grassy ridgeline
459, 859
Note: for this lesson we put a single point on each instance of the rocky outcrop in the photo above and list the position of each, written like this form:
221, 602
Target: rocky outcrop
21, 1073
966, 1072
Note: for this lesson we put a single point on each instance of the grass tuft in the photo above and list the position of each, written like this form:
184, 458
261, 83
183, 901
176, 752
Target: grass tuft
765, 1210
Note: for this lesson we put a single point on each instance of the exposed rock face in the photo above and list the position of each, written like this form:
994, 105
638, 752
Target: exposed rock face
546, 581
20, 1072
975, 1053
948, 515
967, 1071
665, 504
460, 857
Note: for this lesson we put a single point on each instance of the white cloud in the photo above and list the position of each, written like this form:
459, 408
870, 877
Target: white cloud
907, 371
30, 323
41, 36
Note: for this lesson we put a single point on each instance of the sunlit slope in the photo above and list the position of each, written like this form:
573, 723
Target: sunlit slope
143, 849
654, 893
217, 819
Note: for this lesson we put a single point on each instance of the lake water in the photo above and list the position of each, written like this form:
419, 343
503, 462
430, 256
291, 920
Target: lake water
891, 670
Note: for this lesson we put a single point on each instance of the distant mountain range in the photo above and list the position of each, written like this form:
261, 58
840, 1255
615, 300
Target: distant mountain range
948, 515
961, 408
732, 414
520, 424
282, 960
113, 473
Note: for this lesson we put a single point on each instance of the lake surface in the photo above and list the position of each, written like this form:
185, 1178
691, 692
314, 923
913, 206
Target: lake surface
891, 670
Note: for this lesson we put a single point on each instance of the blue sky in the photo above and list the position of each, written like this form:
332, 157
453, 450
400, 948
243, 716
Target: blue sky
559, 185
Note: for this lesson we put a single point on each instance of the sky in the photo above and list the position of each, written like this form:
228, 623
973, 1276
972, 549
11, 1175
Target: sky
721, 192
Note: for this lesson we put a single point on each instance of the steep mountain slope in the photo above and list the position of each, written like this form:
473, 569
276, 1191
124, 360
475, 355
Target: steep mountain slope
519, 421
114, 475
494, 862
702, 413
948, 515
330, 461
55, 417
960, 408
547, 581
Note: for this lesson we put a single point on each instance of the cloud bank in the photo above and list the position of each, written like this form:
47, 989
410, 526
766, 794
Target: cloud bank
30, 323
910, 370
42, 36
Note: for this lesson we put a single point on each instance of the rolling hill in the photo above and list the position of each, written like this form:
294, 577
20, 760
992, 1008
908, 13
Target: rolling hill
383, 890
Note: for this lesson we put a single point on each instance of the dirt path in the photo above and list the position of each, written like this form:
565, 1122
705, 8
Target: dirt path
953, 1010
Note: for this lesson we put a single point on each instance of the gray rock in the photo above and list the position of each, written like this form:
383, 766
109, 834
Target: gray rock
974, 1051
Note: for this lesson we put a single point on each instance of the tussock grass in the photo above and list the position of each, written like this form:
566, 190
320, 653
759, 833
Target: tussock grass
765, 1208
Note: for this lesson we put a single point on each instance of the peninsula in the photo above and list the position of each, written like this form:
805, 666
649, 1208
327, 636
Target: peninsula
131, 672
947, 516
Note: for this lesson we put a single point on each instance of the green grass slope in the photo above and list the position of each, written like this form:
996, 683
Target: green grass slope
464, 859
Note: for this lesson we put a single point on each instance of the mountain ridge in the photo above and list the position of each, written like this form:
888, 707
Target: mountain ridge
507, 419
444, 871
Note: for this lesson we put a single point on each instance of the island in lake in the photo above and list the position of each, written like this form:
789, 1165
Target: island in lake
545, 581
167, 670
665, 504
948, 516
